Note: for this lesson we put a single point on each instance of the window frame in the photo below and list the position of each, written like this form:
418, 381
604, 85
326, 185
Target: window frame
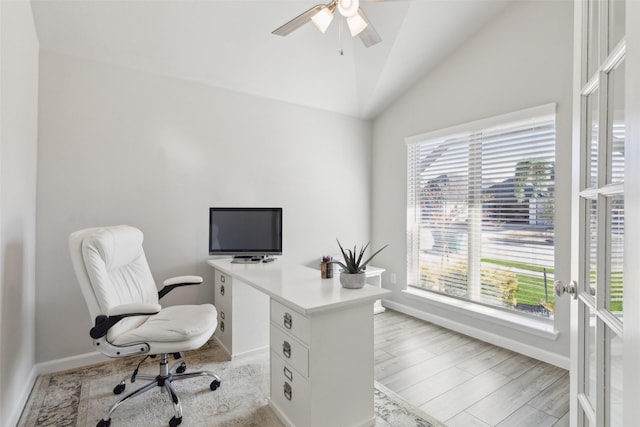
539, 325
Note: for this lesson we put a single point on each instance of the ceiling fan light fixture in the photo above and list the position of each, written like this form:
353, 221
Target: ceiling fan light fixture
322, 15
356, 24
323, 18
348, 8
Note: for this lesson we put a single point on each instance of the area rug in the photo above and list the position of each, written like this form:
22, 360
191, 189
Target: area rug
80, 397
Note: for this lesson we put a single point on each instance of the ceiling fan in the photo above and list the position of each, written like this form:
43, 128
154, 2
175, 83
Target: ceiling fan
322, 15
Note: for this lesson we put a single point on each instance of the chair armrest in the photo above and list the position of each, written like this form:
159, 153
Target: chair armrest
134, 310
116, 314
174, 282
183, 280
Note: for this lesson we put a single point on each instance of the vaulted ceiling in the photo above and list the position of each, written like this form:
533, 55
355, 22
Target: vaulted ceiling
228, 44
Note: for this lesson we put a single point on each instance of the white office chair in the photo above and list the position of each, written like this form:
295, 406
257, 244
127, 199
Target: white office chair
122, 298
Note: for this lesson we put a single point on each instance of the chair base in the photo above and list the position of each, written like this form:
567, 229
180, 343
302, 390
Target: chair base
162, 380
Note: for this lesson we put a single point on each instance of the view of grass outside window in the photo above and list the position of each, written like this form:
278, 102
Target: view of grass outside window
481, 212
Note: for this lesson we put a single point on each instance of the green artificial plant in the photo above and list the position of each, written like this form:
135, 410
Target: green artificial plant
353, 264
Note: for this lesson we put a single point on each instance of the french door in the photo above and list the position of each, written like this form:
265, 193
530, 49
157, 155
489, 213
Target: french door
599, 206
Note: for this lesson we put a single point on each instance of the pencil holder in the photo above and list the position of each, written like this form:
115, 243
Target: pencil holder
326, 270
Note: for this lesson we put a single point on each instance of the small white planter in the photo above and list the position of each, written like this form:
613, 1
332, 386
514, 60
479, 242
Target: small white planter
353, 281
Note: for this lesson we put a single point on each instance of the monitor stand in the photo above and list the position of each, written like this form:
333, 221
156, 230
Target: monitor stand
246, 259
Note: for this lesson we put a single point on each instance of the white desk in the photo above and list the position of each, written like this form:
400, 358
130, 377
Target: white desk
374, 278
320, 337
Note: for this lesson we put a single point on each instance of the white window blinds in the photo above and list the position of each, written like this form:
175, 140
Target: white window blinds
481, 211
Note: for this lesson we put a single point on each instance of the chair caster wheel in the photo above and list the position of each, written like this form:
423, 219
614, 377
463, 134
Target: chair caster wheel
104, 423
214, 385
173, 422
180, 369
119, 388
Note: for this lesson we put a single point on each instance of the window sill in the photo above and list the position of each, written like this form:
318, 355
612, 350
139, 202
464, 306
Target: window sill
543, 328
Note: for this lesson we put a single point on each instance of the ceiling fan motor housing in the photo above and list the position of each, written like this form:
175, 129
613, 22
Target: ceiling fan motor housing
348, 8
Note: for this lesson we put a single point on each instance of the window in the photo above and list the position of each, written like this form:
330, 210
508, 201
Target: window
480, 211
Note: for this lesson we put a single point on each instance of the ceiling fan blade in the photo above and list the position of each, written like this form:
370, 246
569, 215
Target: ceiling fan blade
298, 21
369, 35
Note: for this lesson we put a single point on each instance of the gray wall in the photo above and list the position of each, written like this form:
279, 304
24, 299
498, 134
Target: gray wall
522, 59
123, 146
18, 148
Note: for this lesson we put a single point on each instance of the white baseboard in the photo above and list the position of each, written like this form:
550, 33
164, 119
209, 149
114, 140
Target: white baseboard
71, 362
16, 411
499, 340
247, 353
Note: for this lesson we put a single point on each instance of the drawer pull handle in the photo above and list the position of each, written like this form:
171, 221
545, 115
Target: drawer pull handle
221, 289
222, 326
222, 315
288, 374
286, 349
222, 278
288, 321
287, 391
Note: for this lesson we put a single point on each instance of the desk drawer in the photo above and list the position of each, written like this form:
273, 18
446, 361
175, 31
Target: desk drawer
223, 289
292, 351
223, 332
289, 391
222, 294
291, 321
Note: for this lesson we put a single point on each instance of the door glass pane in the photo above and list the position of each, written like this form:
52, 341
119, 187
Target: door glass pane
593, 32
590, 356
616, 249
616, 22
591, 250
616, 125
615, 378
592, 138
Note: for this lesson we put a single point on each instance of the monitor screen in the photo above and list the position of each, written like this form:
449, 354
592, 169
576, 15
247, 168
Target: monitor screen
245, 231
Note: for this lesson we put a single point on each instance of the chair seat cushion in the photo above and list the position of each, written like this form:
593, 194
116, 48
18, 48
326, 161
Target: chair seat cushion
175, 324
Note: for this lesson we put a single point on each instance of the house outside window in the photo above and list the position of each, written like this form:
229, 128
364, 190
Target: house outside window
480, 214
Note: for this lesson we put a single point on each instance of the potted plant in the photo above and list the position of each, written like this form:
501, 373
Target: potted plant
353, 275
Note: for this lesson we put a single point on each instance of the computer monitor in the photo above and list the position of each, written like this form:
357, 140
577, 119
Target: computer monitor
248, 234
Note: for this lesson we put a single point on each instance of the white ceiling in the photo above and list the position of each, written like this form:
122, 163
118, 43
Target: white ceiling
228, 44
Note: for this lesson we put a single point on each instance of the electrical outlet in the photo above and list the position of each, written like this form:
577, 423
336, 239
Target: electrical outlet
392, 277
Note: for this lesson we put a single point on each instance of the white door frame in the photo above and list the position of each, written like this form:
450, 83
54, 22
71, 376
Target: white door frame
631, 385
632, 211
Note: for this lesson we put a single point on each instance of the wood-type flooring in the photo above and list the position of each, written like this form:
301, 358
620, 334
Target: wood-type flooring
465, 382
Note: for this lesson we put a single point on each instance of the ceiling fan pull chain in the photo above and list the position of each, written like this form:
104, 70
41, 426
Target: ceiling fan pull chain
340, 51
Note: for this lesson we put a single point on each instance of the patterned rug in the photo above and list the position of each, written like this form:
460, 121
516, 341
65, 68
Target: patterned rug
80, 397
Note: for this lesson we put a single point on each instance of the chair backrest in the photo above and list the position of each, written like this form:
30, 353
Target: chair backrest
112, 270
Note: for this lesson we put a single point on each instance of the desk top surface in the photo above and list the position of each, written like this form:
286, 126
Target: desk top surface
299, 287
